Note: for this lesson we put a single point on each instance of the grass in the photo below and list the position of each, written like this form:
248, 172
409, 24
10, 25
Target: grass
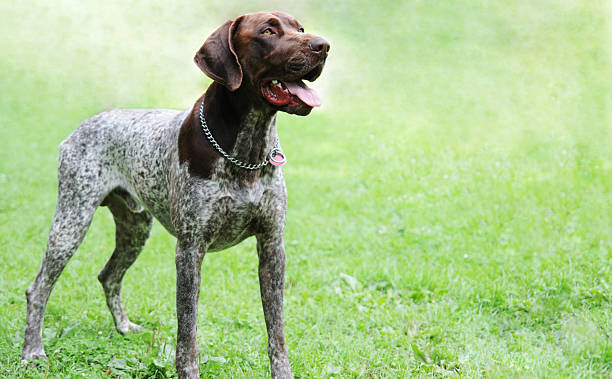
449, 206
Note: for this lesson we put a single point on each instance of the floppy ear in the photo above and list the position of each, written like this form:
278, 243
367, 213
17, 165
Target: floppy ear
218, 59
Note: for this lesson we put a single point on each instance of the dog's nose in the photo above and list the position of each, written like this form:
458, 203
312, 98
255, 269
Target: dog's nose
319, 45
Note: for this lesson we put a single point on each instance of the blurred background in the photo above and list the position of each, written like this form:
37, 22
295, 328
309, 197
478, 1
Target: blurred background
449, 202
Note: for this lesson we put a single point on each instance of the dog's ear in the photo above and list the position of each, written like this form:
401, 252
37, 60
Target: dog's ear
217, 57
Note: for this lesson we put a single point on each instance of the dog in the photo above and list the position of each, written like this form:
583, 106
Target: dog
211, 175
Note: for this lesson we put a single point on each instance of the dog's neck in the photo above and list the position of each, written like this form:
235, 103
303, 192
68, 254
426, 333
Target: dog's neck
245, 130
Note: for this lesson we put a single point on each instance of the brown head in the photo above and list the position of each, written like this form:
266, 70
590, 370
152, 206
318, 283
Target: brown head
267, 55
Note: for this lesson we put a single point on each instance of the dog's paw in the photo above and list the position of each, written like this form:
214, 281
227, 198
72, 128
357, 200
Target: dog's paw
129, 327
33, 358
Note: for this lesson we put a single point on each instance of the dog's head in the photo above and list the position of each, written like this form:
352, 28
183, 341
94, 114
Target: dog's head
268, 54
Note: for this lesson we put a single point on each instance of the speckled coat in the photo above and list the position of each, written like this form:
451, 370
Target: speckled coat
145, 163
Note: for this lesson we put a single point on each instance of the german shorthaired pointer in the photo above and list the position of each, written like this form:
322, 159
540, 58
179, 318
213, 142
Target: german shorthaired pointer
209, 174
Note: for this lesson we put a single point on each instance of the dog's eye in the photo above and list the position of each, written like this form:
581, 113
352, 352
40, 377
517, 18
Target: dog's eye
268, 31
301, 30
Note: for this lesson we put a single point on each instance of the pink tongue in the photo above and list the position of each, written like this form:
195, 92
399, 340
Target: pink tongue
306, 94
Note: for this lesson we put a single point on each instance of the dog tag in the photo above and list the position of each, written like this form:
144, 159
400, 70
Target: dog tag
277, 159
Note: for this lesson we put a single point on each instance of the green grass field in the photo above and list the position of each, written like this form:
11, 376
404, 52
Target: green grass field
449, 205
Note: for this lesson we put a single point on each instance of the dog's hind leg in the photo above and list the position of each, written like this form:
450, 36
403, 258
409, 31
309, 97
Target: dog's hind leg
73, 214
133, 226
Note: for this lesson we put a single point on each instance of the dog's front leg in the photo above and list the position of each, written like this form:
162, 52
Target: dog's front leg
188, 268
271, 283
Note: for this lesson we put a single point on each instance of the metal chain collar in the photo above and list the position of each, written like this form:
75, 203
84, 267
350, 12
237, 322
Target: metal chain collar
249, 166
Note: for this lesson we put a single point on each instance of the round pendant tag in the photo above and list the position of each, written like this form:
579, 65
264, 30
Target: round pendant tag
278, 159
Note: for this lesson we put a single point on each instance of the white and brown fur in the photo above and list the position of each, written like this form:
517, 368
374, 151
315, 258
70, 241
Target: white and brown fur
157, 163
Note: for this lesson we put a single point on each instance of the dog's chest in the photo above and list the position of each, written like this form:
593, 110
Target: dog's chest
223, 213
232, 216
233, 222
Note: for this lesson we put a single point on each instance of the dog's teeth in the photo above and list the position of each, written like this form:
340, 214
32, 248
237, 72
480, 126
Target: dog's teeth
278, 84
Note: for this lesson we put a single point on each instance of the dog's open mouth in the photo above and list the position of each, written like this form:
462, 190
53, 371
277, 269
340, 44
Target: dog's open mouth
290, 93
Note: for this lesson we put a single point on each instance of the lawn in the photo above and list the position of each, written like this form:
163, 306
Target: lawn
449, 205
